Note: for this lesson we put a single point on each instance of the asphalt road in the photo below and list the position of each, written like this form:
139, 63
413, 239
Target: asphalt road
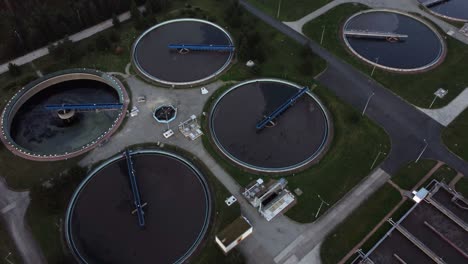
13, 207
409, 129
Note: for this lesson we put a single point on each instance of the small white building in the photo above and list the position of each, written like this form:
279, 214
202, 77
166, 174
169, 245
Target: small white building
271, 198
233, 234
420, 195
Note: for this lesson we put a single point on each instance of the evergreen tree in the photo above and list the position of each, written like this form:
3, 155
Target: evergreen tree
14, 70
115, 21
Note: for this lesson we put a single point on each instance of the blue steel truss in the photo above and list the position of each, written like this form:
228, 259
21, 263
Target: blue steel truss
83, 107
282, 108
202, 47
135, 190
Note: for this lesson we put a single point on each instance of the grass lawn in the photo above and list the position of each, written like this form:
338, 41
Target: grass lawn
290, 10
418, 89
355, 144
462, 186
455, 136
444, 173
408, 176
47, 224
359, 224
22, 173
7, 246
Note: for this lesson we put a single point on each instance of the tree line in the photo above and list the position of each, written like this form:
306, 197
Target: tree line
30, 24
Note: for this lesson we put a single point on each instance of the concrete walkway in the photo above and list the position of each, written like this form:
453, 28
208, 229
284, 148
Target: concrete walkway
402, 5
278, 241
13, 207
305, 246
299, 24
448, 113
86, 33
269, 237
453, 182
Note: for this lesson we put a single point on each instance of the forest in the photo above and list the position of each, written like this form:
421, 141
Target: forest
30, 24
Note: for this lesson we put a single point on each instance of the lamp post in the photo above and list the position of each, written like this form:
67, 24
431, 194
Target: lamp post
367, 103
373, 69
321, 204
279, 9
323, 34
422, 152
7, 260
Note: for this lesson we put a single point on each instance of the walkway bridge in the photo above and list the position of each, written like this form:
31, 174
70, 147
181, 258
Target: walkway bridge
282, 108
375, 35
202, 47
135, 190
83, 107
431, 3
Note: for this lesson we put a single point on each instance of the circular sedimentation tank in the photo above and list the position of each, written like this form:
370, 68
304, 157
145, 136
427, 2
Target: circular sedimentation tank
291, 142
154, 60
100, 226
400, 42
31, 131
456, 10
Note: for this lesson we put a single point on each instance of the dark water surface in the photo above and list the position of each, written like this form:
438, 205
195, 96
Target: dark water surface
452, 8
41, 131
298, 134
155, 58
105, 231
421, 48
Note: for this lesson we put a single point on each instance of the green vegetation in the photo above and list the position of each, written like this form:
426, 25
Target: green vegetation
14, 69
108, 51
418, 88
408, 176
46, 213
455, 136
49, 202
291, 10
21, 173
7, 246
28, 25
355, 145
359, 224
462, 187
278, 56
444, 173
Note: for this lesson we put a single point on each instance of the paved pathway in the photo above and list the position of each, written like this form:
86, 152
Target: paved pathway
269, 237
316, 232
453, 182
403, 5
427, 176
13, 206
27, 58
448, 113
372, 232
412, 132
270, 241
299, 24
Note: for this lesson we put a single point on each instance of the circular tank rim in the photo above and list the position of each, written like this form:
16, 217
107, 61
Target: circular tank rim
12, 104
165, 121
455, 19
82, 185
440, 57
321, 150
146, 75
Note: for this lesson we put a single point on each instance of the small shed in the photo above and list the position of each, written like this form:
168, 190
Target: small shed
233, 234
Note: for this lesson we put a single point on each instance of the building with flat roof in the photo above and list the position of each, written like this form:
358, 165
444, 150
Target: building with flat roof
233, 234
